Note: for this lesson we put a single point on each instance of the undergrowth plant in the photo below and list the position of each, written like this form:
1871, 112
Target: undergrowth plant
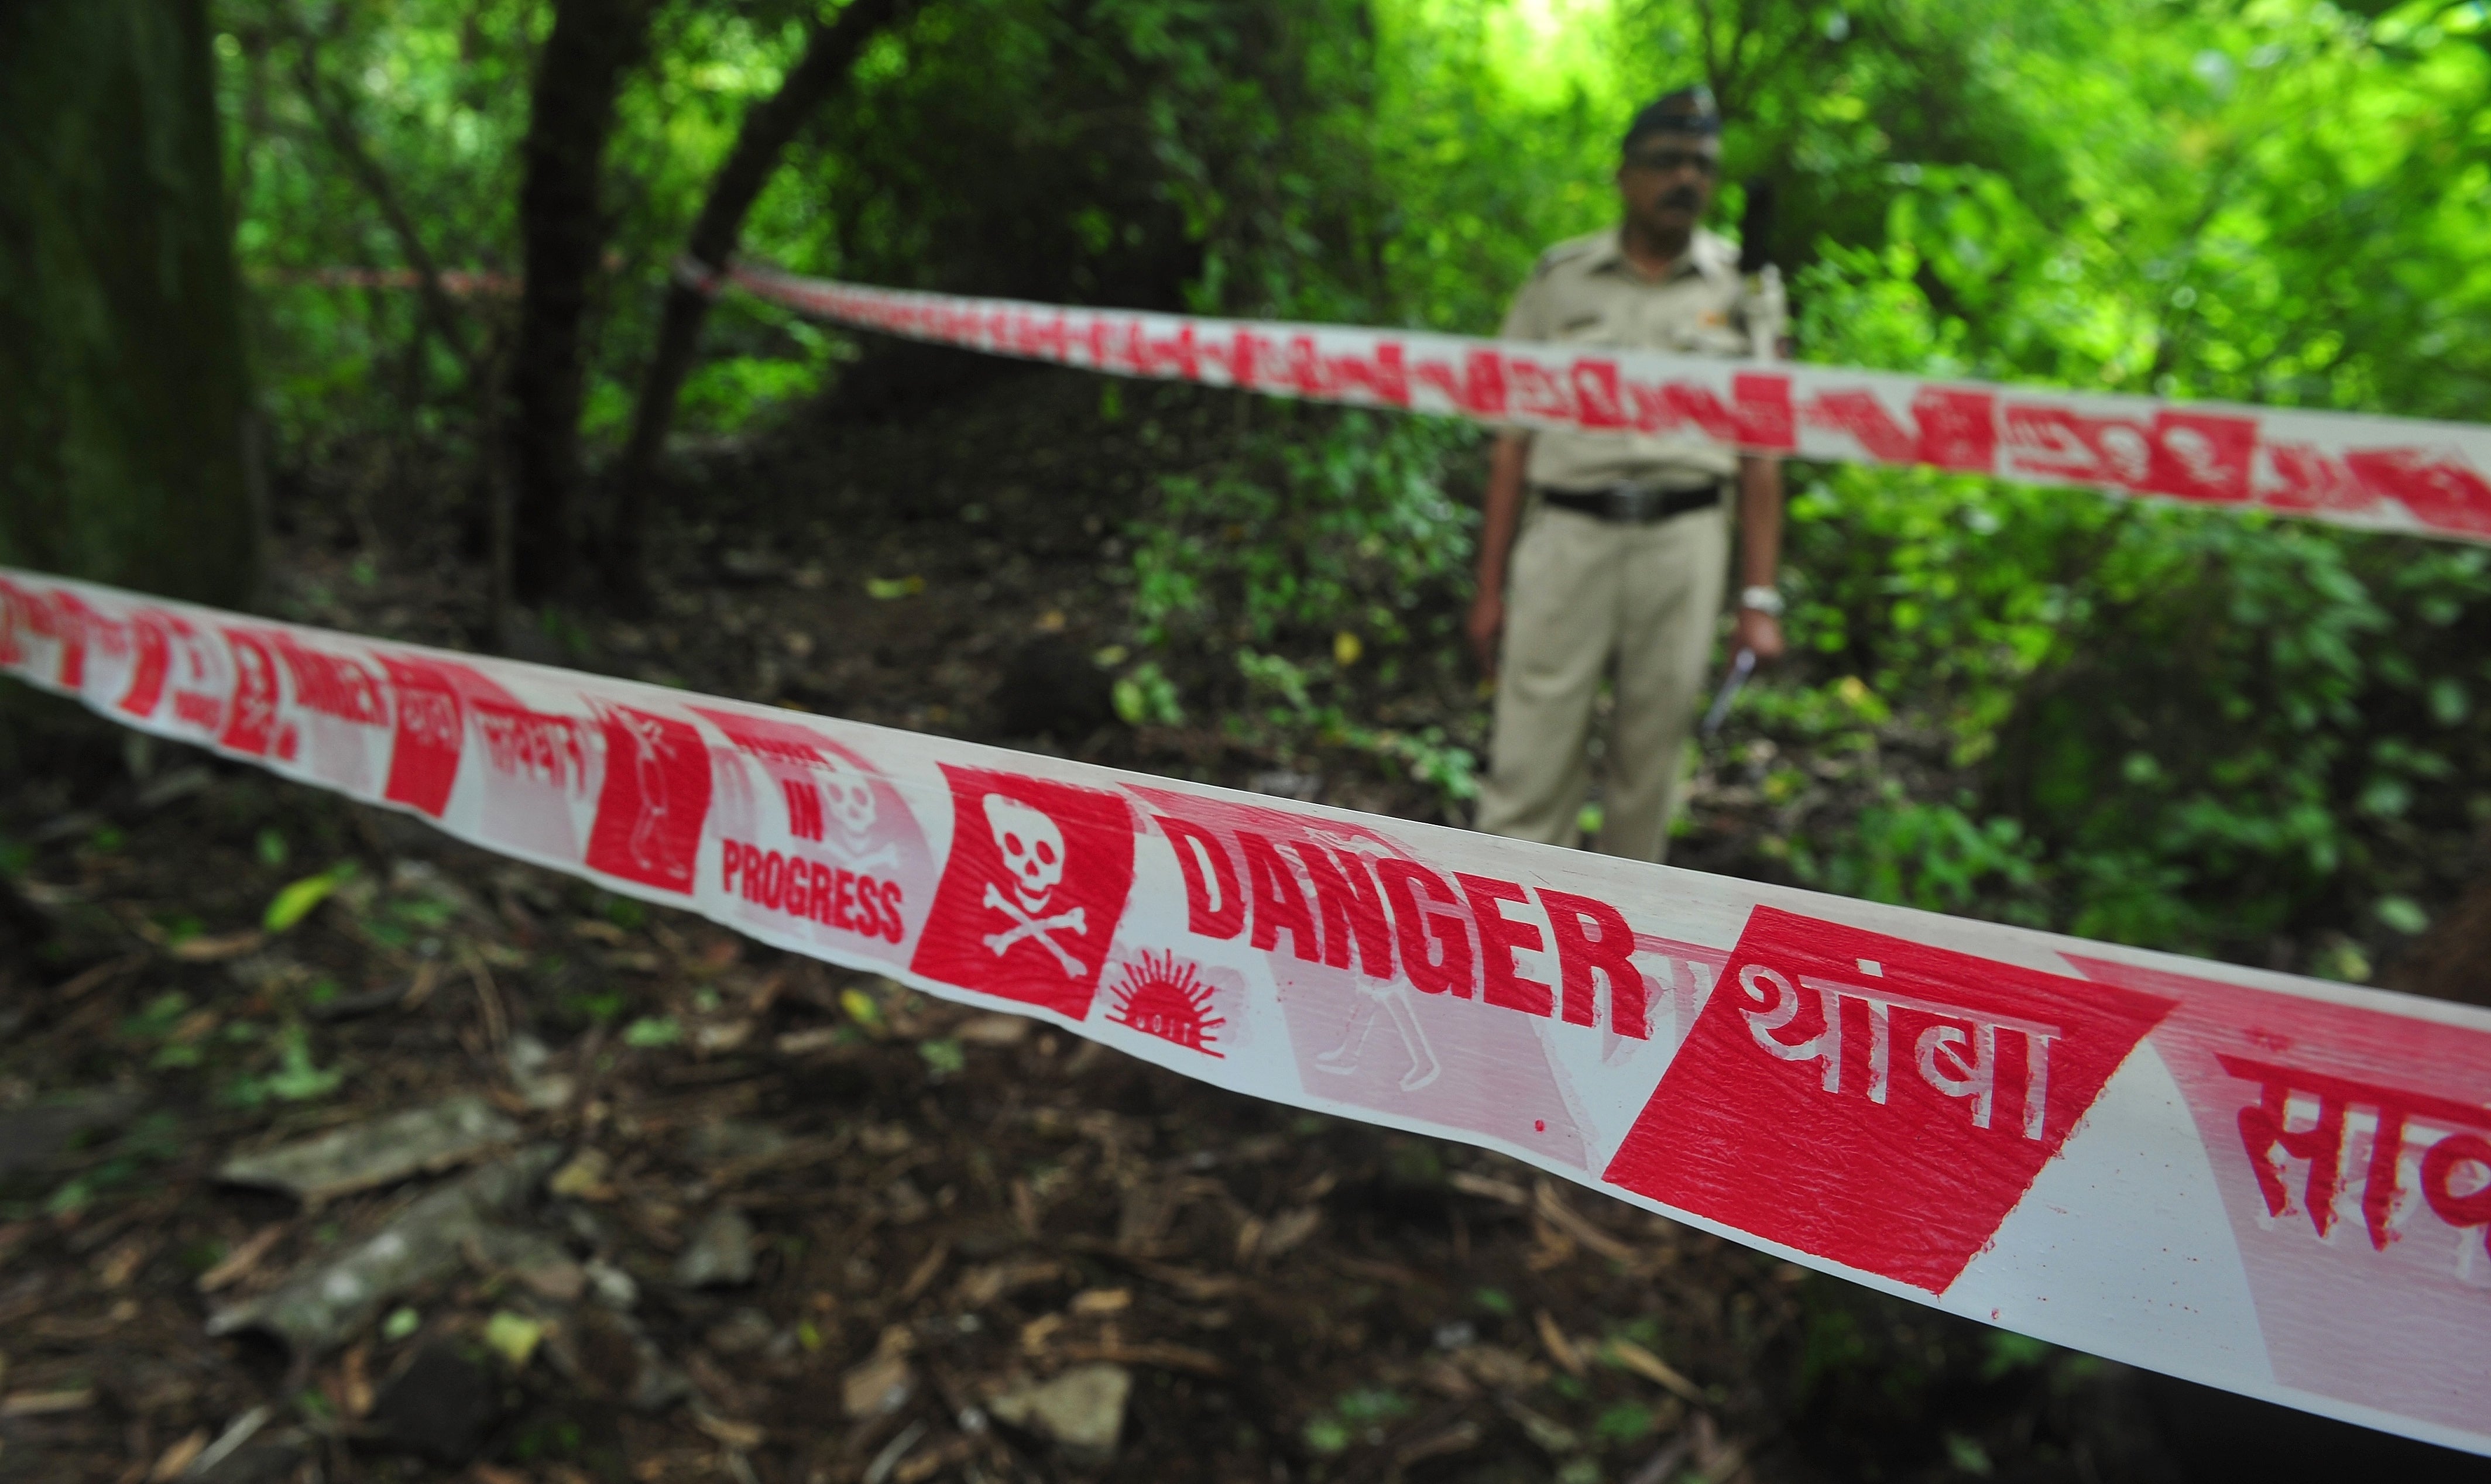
1309, 580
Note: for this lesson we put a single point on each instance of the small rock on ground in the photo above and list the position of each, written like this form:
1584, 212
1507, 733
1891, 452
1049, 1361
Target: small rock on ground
1082, 1410
719, 1254
377, 1152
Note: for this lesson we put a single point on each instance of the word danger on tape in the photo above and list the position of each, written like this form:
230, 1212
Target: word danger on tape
2270, 1184
2351, 469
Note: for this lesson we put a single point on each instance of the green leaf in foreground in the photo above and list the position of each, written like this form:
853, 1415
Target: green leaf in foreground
651, 1031
514, 1337
295, 901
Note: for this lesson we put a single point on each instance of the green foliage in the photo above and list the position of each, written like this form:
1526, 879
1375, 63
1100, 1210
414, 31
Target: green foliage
2009, 1352
1147, 696
1931, 855
1624, 1424
652, 1032
1356, 1416
2187, 729
1325, 524
1449, 770
294, 1079
437, 93
1319, 566
157, 1020
2190, 729
296, 900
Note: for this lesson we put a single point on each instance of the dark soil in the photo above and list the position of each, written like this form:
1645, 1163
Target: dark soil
943, 1206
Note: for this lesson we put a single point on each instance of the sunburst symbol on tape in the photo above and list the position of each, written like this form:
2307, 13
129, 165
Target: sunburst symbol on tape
1160, 996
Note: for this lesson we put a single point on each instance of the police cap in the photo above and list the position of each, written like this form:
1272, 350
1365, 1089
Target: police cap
1689, 110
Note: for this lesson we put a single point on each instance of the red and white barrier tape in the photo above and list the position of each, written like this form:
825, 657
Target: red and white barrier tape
2348, 469
2266, 1183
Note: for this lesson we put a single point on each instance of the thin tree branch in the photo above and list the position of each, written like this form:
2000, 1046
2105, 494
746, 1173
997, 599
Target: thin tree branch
337, 126
830, 49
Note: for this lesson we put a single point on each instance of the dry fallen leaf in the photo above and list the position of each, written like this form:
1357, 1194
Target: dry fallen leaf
121, 1261
878, 1386
924, 1466
1500, 1369
583, 1179
721, 1035
993, 1030
170, 1463
88, 980
1460, 1437
427, 978
1490, 1187
980, 1286
1643, 1363
1550, 1204
922, 1276
1287, 1231
354, 1382
243, 1261
742, 1436
216, 948
1560, 1349
44, 1404
1442, 1376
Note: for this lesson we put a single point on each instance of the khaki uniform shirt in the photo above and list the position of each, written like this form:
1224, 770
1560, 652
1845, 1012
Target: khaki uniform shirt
1587, 293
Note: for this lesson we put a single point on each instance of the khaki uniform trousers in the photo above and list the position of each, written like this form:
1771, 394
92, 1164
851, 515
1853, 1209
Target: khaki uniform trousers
1586, 593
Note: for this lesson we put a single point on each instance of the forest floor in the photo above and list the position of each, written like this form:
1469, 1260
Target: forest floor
622, 1196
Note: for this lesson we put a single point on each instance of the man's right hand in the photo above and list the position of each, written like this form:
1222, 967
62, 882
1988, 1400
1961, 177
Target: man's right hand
1485, 626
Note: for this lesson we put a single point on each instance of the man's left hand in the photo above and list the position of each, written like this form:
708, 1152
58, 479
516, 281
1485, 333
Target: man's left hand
1761, 633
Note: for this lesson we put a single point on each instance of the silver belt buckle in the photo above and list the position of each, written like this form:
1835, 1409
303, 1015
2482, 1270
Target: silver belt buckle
1634, 504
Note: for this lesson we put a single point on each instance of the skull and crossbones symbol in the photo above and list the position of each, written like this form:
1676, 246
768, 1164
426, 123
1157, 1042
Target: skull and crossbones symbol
847, 796
1033, 851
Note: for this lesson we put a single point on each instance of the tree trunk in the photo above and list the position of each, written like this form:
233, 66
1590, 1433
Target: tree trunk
128, 441
570, 113
768, 127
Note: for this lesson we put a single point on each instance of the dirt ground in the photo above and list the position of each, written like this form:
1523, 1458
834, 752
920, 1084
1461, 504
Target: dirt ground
694, 1209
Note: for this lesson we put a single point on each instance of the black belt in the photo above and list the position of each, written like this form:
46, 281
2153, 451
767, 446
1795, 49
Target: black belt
1634, 503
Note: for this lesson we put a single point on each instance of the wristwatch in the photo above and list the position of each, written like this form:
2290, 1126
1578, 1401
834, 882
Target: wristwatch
1764, 601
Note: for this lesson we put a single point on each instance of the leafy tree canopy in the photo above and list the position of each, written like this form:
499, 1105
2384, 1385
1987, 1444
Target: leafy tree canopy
2203, 731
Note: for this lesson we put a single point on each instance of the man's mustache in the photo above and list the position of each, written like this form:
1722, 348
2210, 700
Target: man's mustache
1685, 198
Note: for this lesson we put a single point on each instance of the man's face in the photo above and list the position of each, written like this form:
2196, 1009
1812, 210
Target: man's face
1666, 181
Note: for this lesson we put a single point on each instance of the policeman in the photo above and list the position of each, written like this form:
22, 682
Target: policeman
1623, 539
